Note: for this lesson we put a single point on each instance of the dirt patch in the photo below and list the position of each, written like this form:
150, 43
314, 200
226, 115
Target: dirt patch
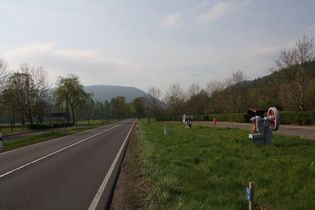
131, 189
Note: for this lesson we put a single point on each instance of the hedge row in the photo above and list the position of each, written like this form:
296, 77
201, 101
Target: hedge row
295, 118
48, 126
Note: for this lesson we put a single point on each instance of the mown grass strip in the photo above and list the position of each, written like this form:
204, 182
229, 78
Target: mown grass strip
209, 168
13, 144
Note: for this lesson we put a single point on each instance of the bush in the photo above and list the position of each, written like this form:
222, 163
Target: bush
297, 118
48, 126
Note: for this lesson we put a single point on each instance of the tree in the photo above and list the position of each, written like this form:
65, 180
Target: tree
138, 106
4, 74
236, 93
215, 92
197, 102
119, 105
88, 110
296, 77
175, 98
28, 92
69, 92
154, 104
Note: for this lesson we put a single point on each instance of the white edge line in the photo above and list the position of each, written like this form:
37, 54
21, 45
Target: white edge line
109, 173
46, 156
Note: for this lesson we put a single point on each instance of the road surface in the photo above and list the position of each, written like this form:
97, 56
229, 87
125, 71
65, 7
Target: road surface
291, 130
72, 172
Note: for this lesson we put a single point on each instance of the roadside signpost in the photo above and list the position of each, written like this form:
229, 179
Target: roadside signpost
250, 195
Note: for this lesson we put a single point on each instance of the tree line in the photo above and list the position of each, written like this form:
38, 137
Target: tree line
26, 95
289, 87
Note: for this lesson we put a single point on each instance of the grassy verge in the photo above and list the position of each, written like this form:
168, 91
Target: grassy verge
13, 144
209, 168
8, 129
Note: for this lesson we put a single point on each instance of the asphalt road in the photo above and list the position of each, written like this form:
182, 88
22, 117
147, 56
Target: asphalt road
72, 172
291, 130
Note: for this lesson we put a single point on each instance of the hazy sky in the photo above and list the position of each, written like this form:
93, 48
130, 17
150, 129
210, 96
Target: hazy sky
151, 43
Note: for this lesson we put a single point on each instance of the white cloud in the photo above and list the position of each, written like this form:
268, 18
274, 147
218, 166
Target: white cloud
171, 21
89, 65
217, 11
310, 29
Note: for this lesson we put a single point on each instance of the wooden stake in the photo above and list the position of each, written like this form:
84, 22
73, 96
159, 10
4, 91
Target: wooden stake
251, 201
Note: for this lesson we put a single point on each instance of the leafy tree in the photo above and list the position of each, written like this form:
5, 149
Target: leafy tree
107, 111
138, 106
119, 105
27, 91
69, 92
295, 76
88, 110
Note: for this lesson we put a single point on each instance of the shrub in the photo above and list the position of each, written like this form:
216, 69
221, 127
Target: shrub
48, 126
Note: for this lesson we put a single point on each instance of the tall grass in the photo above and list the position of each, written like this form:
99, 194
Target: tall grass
209, 168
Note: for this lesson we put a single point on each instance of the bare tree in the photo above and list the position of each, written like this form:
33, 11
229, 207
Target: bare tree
295, 75
154, 104
193, 90
175, 98
28, 91
236, 94
4, 74
215, 92
197, 100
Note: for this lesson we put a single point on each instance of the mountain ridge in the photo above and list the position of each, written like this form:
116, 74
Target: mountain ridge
107, 92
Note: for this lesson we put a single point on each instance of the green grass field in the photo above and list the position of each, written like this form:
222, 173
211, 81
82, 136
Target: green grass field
209, 168
13, 144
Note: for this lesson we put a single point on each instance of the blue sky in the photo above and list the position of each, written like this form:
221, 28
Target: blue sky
146, 43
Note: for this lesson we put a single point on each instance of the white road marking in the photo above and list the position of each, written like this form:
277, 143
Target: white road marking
53, 153
109, 173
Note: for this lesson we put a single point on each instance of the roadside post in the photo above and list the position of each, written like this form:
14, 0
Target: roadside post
165, 130
264, 125
250, 195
